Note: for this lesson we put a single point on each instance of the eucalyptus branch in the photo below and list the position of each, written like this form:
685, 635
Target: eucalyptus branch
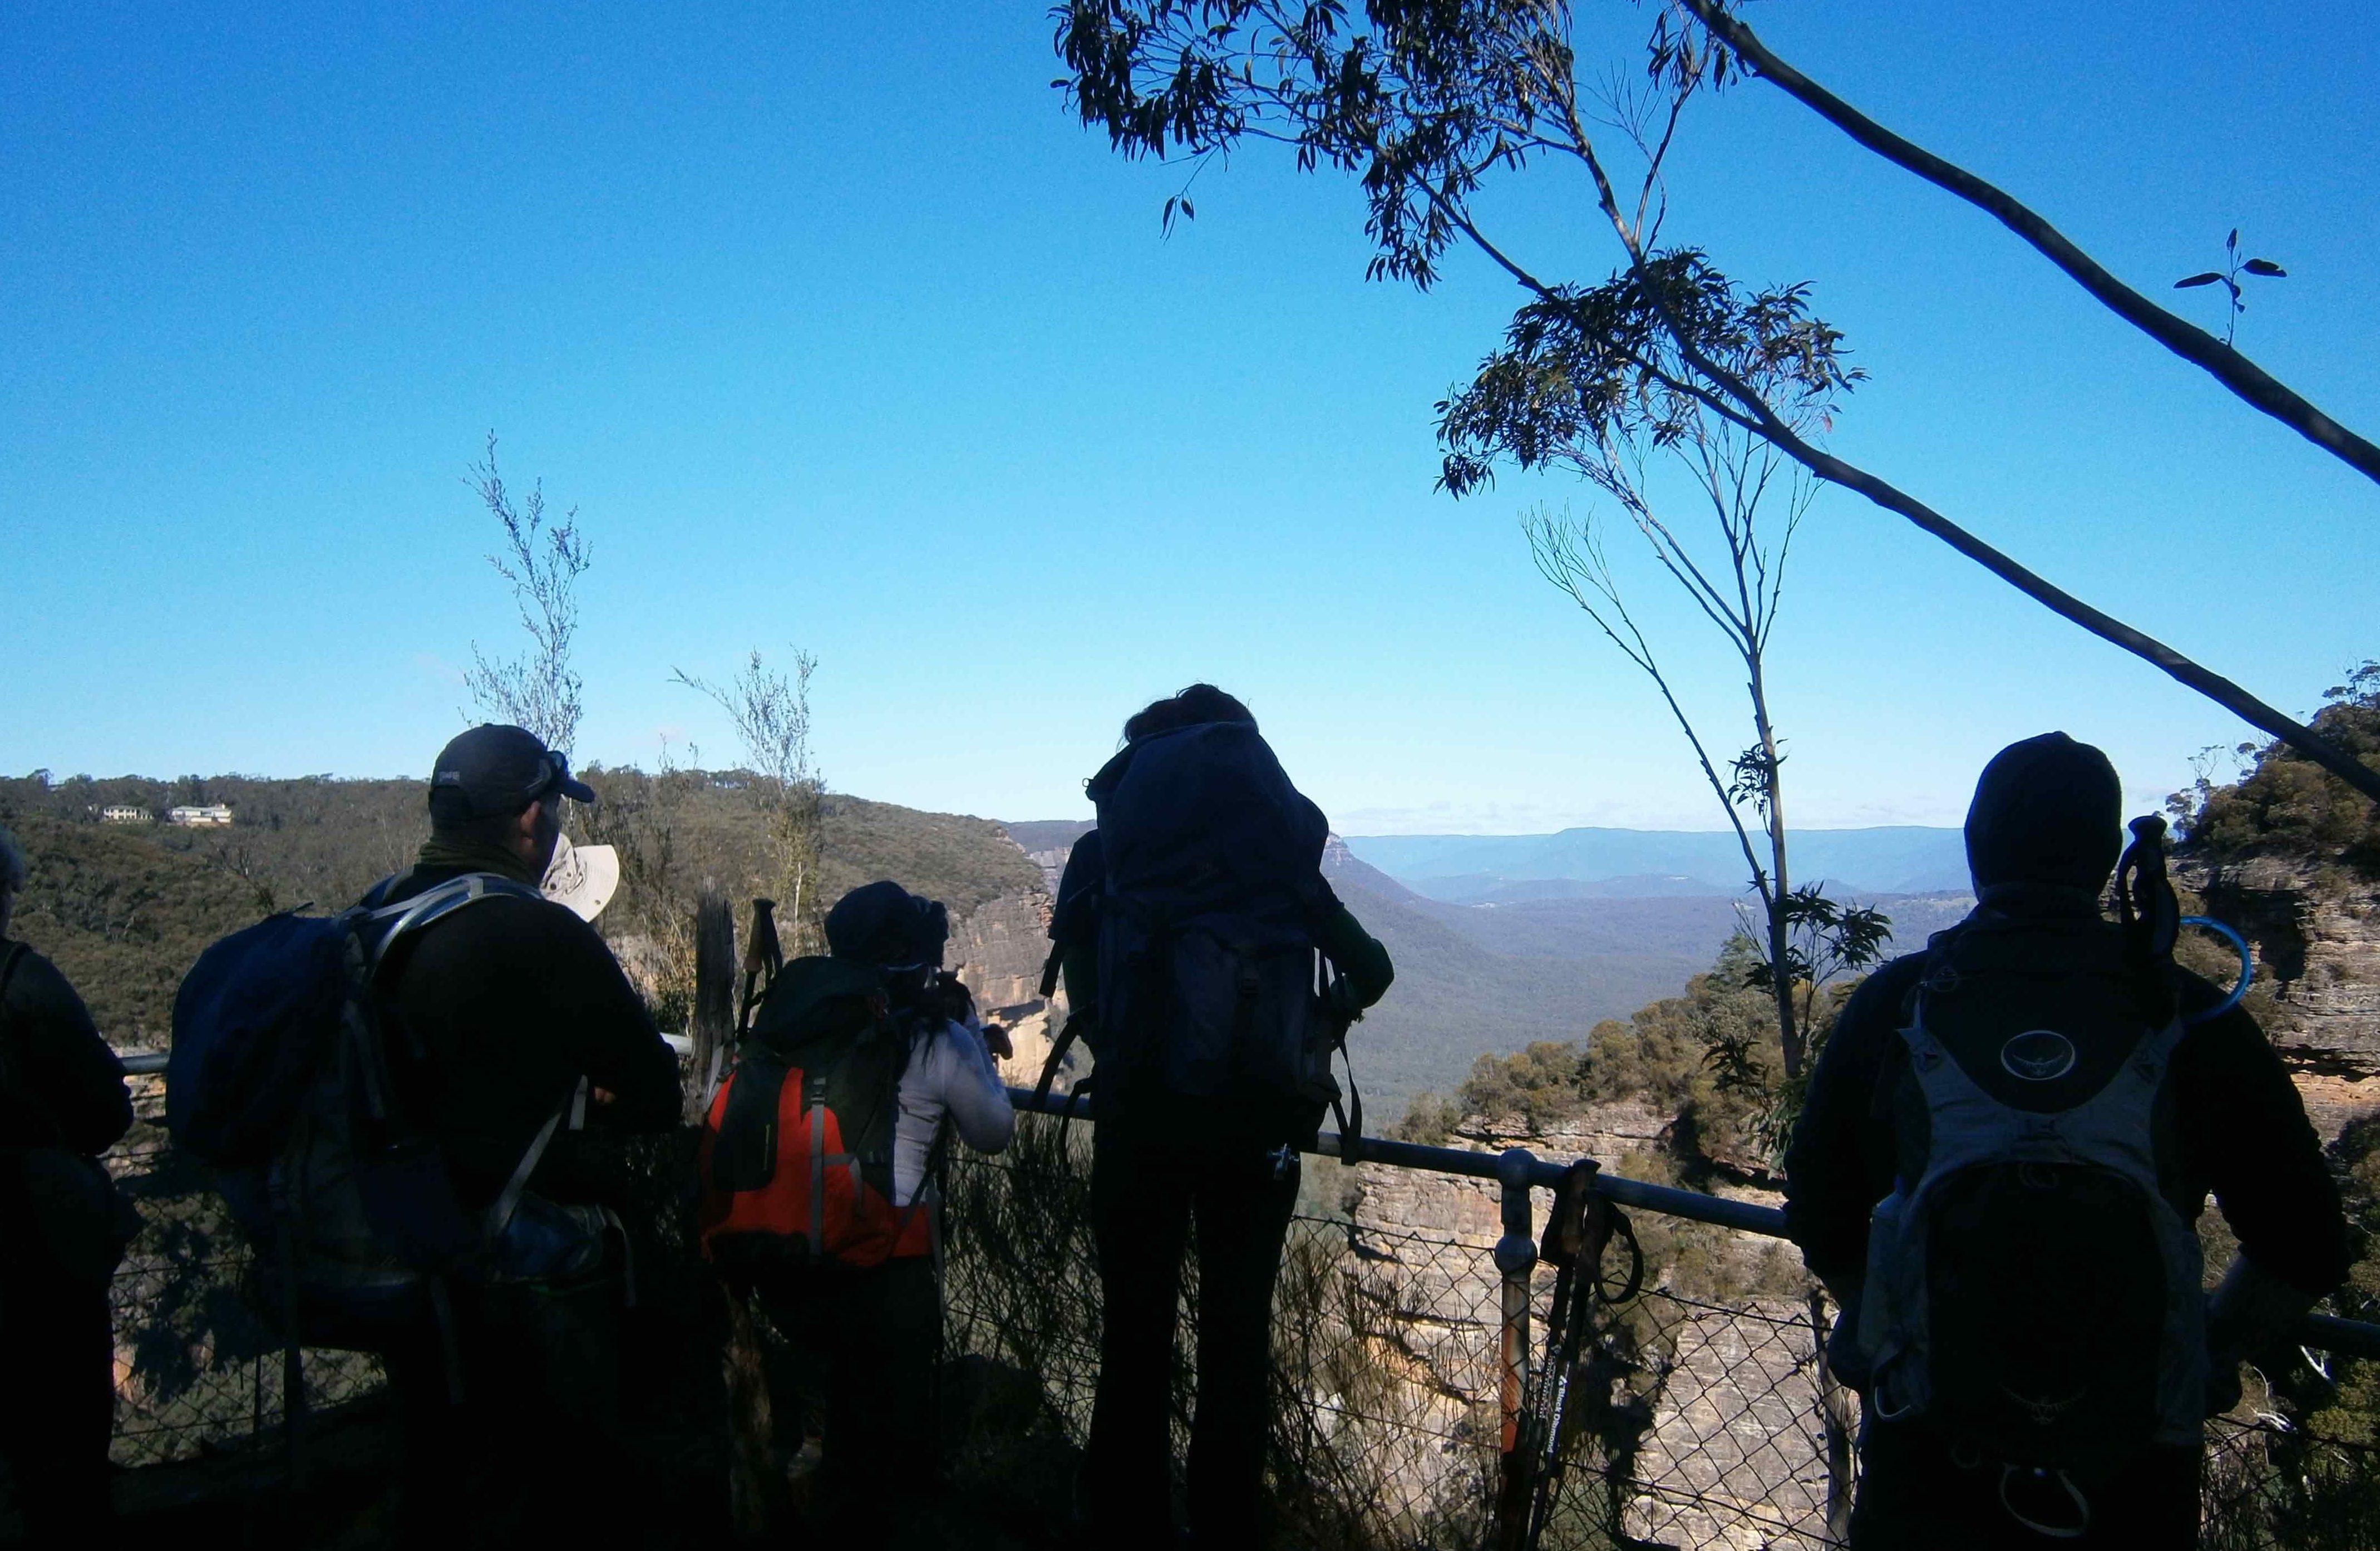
2249, 383
1882, 493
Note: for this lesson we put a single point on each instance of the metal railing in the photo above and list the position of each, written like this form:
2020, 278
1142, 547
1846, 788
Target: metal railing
1699, 1414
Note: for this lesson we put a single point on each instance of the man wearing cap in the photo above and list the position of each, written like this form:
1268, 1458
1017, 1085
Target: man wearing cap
518, 1007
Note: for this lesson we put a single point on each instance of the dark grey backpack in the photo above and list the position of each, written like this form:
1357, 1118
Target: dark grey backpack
2031, 1289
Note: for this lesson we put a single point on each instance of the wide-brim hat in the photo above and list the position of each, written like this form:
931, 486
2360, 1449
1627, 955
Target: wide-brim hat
582, 876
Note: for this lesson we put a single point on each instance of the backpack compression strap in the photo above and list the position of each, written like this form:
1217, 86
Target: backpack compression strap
507, 1201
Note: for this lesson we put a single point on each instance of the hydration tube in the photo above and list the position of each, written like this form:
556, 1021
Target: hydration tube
2247, 967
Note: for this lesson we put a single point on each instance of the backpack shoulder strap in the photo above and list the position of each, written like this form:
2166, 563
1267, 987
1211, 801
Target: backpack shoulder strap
433, 904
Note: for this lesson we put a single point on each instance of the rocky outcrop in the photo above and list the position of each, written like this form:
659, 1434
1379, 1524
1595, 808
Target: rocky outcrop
2316, 935
1732, 1450
1052, 863
999, 950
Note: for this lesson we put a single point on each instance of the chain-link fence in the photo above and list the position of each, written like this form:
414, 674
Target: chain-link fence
1690, 1417
196, 1370
1685, 1422
1685, 1418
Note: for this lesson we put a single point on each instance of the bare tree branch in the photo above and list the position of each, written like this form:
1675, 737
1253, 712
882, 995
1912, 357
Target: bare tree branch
1760, 419
770, 713
539, 690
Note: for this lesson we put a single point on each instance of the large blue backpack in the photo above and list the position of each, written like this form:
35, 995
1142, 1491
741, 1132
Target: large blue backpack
1208, 966
281, 1081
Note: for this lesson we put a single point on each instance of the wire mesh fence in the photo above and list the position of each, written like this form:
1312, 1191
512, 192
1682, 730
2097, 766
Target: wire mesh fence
1689, 1419
196, 1369
1688, 1423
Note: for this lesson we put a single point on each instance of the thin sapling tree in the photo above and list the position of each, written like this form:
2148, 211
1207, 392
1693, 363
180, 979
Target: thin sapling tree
1582, 408
538, 690
770, 713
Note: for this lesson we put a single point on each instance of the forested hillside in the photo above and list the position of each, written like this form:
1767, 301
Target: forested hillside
125, 908
1455, 999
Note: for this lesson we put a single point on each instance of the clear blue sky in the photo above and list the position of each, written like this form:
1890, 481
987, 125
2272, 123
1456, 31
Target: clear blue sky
840, 332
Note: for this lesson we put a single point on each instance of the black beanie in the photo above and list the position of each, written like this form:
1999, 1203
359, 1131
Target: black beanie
2046, 811
884, 924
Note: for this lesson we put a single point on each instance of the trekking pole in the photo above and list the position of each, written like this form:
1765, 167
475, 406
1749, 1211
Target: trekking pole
763, 956
1529, 1437
1580, 1229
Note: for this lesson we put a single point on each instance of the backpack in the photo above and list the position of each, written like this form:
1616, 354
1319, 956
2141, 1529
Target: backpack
795, 1160
280, 1081
2031, 1291
1208, 974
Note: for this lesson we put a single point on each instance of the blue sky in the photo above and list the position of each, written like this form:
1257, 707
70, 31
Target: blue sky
839, 332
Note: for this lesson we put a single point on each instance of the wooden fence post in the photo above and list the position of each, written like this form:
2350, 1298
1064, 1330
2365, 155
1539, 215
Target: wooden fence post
714, 993
750, 1427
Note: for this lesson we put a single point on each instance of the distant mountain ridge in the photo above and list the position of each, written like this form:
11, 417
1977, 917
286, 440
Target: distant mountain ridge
1546, 960
1892, 859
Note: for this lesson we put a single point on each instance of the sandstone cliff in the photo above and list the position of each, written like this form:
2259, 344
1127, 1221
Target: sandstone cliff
1708, 1399
2316, 931
998, 951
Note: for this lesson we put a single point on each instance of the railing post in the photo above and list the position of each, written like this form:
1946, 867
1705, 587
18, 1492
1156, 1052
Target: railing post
1516, 1257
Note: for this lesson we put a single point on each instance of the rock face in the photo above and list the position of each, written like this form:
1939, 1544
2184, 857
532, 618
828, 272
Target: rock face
1729, 1450
1052, 863
997, 952
2316, 935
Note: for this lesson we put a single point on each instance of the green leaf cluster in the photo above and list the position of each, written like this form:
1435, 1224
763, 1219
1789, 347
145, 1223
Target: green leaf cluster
2288, 805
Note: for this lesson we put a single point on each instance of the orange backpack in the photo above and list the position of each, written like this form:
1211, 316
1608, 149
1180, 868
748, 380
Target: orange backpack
795, 1161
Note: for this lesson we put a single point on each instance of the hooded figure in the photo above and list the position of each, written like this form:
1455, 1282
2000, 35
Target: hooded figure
2047, 811
2043, 836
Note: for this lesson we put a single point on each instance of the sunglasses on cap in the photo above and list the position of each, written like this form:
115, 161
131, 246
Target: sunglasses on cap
553, 776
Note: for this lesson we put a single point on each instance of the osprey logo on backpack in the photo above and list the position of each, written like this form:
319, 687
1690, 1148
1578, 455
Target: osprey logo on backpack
795, 1161
2038, 1056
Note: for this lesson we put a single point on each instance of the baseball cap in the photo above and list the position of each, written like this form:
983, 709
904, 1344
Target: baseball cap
495, 769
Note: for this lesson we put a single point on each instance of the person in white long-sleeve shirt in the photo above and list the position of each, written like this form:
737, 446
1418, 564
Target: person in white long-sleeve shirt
880, 1326
950, 1077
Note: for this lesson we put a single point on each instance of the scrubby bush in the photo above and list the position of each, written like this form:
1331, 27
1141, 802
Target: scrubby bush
2287, 803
